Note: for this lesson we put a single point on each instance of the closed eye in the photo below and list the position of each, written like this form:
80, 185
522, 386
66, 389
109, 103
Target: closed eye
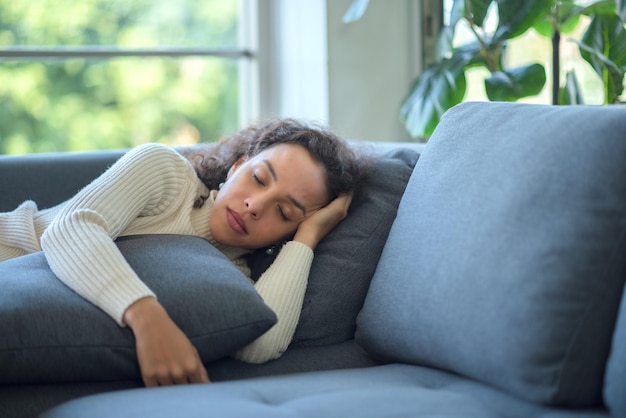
257, 179
282, 214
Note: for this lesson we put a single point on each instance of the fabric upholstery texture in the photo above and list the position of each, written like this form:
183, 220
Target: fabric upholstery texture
49, 178
394, 390
615, 378
30, 400
346, 259
50, 334
506, 260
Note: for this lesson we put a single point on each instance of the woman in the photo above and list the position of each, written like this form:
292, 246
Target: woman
283, 180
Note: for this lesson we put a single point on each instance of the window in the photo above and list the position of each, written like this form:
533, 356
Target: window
101, 74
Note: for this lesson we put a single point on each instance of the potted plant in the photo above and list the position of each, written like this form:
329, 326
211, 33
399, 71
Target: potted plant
442, 84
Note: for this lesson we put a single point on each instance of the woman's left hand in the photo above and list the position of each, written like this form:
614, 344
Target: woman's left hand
165, 354
318, 225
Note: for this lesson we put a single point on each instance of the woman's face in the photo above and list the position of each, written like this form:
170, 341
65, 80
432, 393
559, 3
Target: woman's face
267, 196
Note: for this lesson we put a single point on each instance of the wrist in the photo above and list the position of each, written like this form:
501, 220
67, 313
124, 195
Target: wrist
308, 239
142, 312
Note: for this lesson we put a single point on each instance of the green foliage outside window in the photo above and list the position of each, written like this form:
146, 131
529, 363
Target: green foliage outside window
96, 103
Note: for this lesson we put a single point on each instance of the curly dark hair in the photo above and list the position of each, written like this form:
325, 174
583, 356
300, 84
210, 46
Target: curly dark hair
346, 169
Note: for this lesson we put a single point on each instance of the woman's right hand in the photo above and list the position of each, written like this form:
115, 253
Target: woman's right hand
312, 230
165, 354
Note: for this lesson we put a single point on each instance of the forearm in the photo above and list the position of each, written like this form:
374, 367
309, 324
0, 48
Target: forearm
79, 242
282, 287
85, 258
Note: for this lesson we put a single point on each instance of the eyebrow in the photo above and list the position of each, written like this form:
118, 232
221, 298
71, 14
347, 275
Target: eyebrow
293, 200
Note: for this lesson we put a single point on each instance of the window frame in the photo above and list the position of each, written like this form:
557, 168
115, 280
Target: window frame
15, 53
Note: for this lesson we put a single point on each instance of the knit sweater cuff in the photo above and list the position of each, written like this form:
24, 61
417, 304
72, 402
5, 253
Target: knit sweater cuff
119, 297
282, 287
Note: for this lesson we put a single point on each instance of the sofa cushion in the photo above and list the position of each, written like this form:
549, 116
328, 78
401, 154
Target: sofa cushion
50, 334
615, 379
506, 260
49, 178
393, 390
346, 259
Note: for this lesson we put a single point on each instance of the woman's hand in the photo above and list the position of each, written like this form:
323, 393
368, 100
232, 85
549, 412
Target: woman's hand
318, 225
165, 354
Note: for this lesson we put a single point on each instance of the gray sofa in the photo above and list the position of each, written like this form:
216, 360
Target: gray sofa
480, 275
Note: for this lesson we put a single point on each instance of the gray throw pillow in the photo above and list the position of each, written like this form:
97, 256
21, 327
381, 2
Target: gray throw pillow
346, 259
506, 260
50, 334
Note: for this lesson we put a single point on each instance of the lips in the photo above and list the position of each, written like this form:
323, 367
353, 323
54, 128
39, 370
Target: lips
236, 222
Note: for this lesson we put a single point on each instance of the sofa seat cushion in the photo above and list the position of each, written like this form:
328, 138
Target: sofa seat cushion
297, 359
377, 392
30, 400
506, 260
50, 334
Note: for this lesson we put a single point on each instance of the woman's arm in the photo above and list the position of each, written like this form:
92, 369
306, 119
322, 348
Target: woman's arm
283, 285
79, 245
165, 354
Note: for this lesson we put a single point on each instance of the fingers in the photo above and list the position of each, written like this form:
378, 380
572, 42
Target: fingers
343, 203
150, 381
343, 200
175, 375
201, 376
165, 354
311, 231
336, 210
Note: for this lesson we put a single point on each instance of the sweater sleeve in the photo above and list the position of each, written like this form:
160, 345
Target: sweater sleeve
282, 287
79, 243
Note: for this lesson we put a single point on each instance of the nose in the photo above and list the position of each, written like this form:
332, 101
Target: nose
255, 206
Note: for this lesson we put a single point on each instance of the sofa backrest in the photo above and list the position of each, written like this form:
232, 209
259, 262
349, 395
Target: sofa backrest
49, 178
507, 259
345, 261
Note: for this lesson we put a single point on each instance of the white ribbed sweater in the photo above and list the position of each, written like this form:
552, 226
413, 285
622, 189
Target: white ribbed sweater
150, 190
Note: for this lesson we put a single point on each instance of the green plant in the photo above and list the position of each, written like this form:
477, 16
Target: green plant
603, 45
442, 84
85, 103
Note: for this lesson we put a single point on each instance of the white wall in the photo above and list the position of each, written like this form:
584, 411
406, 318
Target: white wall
352, 77
371, 64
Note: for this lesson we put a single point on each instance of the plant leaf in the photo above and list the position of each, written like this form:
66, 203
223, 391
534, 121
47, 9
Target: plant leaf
516, 17
471, 52
620, 5
599, 7
441, 86
444, 47
513, 84
603, 46
611, 74
570, 93
355, 11
457, 12
477, 10
566, 21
